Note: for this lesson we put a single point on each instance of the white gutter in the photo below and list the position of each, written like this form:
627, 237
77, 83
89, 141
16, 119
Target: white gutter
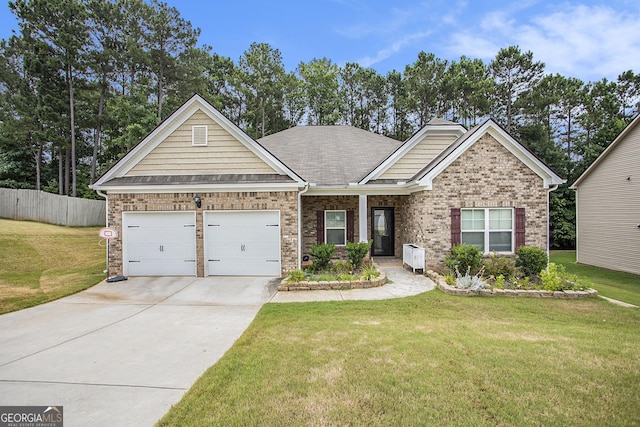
549, 190
190, 188
300, 193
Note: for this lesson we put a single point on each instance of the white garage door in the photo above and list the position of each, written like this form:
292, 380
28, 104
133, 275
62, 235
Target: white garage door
159, 243
242, 243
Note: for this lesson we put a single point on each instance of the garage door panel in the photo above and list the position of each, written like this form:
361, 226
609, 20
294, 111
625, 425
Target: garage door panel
243, 243
160, 244
161, 267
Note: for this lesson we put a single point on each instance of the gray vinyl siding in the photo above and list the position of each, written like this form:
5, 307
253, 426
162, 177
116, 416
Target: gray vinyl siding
608, 209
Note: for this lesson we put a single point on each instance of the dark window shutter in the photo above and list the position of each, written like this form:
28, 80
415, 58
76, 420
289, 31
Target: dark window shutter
520, 222
320, 227
456, 231
351, 233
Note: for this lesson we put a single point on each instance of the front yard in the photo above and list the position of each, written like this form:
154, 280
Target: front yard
432, 359
42, 262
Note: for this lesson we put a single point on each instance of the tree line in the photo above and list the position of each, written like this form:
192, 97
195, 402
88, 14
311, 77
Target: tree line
83, 81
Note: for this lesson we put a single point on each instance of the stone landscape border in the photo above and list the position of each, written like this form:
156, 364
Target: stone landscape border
451, 290
333, 285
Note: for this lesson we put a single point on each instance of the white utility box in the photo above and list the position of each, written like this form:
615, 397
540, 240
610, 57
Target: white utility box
413, 256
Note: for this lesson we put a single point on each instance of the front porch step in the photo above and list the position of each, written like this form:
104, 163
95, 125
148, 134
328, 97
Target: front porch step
388, 261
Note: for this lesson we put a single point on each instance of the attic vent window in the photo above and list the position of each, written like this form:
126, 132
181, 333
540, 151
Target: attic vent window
199, 135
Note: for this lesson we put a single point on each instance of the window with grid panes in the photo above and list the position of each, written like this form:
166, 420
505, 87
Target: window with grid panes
335, 226
489, 229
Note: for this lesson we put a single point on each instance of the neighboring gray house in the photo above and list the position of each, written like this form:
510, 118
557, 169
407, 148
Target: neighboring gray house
200, 197
608, 205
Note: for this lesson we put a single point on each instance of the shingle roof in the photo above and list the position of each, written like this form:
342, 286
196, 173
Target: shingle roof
197, 179
437, 122
330, 155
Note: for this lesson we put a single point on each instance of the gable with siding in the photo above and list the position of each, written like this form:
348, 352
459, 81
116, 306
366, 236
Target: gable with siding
608, 206
414, 160
196, 146
223, 153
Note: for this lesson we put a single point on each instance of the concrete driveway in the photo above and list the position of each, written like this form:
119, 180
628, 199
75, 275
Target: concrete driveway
120, 354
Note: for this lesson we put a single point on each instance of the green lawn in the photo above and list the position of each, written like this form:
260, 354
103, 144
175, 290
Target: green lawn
613, 284
42, 262
432, 359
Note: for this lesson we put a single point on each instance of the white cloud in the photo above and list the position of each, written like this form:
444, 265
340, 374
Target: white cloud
472, 46
370, 23
496, 21
395, 47
588, 42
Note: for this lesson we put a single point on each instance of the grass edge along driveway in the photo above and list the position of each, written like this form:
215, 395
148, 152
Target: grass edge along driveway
43, 262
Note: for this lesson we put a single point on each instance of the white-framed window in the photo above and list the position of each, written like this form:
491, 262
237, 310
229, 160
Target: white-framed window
199, 135
489, 229
335, 227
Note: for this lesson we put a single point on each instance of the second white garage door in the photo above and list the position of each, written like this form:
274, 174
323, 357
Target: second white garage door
242, 243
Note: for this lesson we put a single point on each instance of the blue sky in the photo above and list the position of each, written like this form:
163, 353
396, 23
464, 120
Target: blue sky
588, 39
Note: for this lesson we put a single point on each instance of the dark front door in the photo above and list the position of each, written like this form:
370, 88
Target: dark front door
382, 226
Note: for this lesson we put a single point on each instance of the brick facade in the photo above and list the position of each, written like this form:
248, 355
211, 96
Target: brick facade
486, 175
312, 204
285, 202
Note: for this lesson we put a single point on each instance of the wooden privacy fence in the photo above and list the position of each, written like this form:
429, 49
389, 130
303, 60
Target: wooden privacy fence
40, 206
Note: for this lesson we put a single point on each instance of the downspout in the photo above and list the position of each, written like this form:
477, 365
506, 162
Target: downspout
106, 224
553, 188
300, 193
575, 190
106, 207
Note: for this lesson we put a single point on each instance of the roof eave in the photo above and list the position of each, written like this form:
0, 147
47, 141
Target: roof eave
182, 188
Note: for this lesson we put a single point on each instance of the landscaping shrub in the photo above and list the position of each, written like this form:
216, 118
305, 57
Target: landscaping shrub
341, 267
450, 278
551, 277
370, 272
531, 260
497, 265
296, 276
556, 278
356, 252
321, 254
468, 281
345, 277
464, 257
